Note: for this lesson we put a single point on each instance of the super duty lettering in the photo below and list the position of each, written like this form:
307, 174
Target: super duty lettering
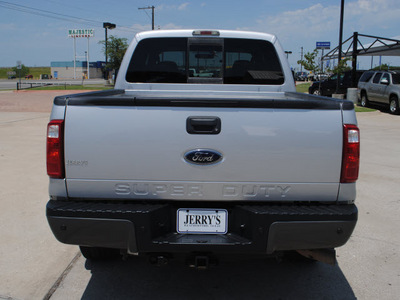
159, 190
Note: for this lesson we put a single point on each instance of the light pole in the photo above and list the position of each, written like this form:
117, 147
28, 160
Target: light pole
106, 26
287, 54
87, 64
340, 44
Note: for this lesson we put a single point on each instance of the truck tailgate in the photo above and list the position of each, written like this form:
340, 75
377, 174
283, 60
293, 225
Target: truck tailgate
137, 152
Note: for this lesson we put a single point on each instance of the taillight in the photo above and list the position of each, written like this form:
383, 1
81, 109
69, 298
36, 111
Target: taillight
206, 32
55, 149
351, 154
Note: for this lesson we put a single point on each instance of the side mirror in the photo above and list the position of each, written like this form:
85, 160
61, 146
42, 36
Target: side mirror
385, 81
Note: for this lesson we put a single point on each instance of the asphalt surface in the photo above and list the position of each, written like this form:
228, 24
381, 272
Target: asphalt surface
33, 265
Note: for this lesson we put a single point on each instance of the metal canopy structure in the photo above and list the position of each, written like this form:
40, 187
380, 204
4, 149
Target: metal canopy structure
353, 47
379, 46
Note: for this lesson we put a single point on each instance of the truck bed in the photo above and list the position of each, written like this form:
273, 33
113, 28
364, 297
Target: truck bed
274, 146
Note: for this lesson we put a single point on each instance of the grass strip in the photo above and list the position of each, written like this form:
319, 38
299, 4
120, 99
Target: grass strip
71, 87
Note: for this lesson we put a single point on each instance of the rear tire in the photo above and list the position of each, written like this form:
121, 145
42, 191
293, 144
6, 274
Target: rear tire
316, 92
394, 105
97, 253
364, 100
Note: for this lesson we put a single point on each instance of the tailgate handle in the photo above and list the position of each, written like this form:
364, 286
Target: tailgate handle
203, 125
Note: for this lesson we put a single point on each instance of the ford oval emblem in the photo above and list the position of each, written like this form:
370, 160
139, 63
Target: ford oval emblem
203, 157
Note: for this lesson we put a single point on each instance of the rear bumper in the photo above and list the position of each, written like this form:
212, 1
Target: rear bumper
149, 228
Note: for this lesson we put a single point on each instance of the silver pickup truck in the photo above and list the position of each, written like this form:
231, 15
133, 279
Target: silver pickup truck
203, 148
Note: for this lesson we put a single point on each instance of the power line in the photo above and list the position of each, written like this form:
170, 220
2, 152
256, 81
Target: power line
57, 16
120, 27
152, 14
45, 13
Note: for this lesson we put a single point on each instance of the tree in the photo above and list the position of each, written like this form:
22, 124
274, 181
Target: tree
381, 67
116, 48
341, 67
385, 67
24, 71
310, 62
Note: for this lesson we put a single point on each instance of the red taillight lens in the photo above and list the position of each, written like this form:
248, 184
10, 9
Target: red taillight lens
206, 32
351, 154
55, 149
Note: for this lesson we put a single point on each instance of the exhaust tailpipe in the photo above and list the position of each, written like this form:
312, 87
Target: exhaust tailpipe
327, 256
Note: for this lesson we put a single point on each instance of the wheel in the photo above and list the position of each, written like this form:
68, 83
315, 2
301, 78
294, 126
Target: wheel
394, 105
97, 253
364, 100
316, 92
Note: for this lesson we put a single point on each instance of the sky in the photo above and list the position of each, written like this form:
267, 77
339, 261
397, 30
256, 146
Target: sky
36, 32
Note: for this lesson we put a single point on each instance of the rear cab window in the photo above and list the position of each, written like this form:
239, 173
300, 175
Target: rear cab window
396, 78
377, 77
366, 76
205, 60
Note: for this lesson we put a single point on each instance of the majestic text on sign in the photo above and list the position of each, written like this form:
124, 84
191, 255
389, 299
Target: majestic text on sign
80, 33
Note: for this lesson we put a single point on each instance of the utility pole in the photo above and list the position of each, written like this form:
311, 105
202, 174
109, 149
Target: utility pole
322, 63
301, 55
152, 14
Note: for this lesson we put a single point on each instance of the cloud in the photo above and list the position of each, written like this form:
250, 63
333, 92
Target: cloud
377, 15
8, 26
304, 24
369, 6
171, 26
322, 22
139, 27
183, 6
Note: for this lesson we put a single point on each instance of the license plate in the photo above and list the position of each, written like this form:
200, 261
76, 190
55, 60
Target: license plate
205, 221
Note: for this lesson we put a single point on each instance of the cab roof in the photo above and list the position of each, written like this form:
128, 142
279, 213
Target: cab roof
209, 33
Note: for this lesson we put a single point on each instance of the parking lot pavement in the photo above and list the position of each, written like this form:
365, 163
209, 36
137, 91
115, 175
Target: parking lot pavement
35, 266
29, 101
372, 256
31, 259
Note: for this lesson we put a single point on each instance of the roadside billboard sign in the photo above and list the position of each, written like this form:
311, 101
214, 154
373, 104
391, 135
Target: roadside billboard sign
323, 45
76, 33
81, 33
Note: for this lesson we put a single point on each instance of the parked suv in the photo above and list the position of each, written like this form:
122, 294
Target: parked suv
381, 87
328, 87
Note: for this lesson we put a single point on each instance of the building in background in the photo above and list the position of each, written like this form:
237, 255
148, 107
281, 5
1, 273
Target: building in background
65, 69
